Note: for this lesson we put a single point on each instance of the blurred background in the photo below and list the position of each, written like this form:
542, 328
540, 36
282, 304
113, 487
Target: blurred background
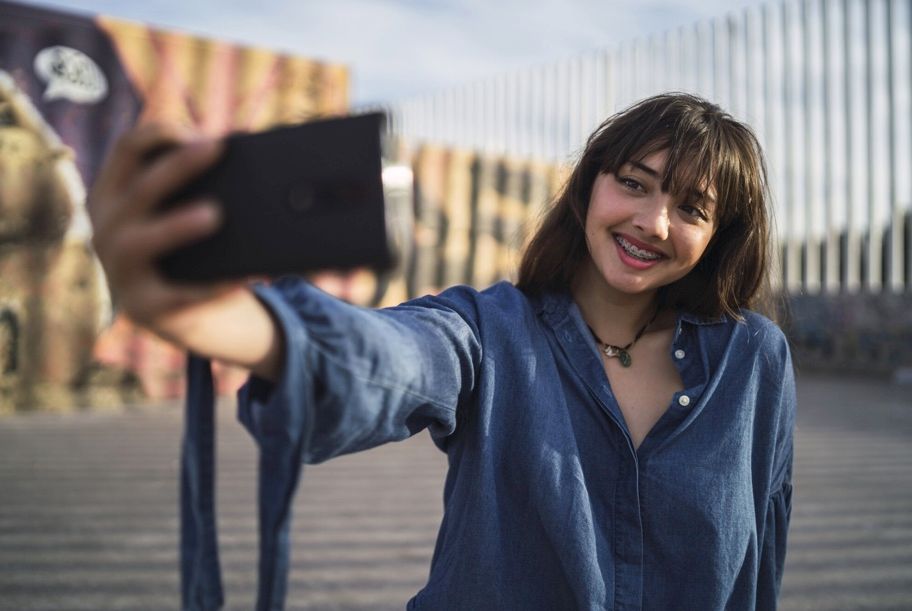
488, 105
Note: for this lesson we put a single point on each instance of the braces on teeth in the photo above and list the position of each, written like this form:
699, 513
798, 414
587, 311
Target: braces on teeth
636, 252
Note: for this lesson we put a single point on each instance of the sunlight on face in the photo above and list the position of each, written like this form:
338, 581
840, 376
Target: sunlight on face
641, 238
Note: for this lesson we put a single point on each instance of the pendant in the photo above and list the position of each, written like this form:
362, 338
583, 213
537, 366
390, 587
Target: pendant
625, 359
622, 355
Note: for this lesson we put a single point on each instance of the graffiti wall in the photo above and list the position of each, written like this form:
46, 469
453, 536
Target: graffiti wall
472, 215
69, 85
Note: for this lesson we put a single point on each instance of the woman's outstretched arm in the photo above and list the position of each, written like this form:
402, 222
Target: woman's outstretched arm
225, 322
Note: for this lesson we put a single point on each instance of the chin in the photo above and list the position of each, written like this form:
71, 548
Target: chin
628, 286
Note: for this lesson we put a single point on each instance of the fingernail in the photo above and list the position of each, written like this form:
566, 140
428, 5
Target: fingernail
209, 213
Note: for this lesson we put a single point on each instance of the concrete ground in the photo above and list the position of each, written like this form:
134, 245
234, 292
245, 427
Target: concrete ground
88, 510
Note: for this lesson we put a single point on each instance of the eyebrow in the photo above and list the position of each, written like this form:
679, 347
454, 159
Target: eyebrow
642, 166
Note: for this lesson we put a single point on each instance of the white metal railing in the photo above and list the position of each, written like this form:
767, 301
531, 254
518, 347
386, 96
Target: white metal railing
826, 84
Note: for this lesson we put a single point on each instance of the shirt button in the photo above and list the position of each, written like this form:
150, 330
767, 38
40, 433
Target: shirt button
683, 400
679, 354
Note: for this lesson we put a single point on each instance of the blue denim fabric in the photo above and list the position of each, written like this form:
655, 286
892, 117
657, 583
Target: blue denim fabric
201, 583
547, 504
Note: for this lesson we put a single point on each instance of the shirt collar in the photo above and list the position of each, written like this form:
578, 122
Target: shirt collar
699, 320
554, 306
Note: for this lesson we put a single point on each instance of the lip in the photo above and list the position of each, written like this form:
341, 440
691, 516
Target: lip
641, 245
637, 264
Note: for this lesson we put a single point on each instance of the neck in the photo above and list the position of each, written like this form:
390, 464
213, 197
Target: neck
614, 316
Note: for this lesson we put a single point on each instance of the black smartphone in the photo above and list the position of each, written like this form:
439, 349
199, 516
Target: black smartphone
295, 199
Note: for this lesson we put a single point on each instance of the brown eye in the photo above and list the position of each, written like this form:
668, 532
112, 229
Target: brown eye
694, 211
630, 183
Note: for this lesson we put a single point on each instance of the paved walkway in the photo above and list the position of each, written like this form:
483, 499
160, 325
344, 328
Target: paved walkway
88, 511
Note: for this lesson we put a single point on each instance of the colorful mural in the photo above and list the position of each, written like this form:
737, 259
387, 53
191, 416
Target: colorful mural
69, 85
473, 213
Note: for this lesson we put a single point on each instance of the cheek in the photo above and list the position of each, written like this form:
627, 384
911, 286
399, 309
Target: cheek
593, 221
601, 217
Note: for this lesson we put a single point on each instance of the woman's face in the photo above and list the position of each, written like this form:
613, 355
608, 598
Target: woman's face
641, 238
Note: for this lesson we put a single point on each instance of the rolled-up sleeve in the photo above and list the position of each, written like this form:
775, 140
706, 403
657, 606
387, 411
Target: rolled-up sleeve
354, 378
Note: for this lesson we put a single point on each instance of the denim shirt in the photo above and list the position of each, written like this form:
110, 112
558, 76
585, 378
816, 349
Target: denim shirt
547, 504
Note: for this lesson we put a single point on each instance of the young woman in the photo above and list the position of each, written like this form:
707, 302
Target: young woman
618, 424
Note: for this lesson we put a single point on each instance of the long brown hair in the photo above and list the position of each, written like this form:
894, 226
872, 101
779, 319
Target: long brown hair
706, 146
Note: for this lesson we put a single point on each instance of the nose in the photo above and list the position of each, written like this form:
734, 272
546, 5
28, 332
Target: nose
652, 217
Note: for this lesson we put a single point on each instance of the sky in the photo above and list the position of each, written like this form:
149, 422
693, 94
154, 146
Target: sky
398, 49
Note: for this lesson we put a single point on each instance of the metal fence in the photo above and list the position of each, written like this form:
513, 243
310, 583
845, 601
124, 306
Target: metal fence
826, 85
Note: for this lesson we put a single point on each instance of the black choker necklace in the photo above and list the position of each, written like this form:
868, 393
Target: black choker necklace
621, 352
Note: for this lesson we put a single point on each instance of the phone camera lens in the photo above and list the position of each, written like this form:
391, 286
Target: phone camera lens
300, 198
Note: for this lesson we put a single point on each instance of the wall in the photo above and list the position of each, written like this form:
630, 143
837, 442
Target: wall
69, 85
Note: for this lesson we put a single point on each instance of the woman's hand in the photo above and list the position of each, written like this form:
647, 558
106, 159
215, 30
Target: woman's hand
223, 321
144, 167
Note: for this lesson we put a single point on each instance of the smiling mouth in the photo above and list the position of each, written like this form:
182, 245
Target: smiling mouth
636, 252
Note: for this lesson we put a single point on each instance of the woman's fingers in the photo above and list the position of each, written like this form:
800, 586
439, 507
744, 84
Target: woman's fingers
132, 150
143, 168
170, 171
122, 162
142, 242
